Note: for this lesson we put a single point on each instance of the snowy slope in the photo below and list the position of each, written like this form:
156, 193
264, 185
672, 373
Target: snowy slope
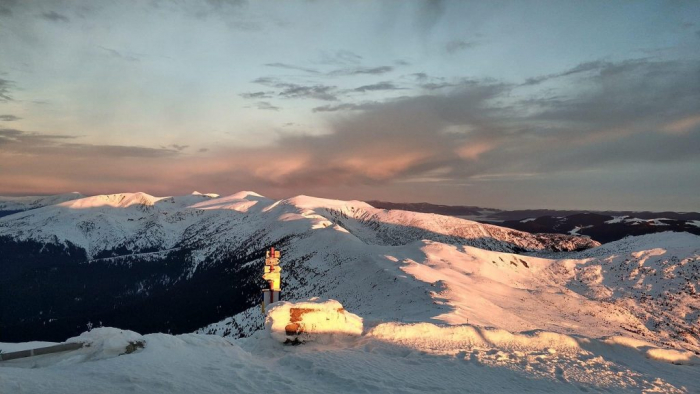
584, 293
140, 222
392, 357
25, 203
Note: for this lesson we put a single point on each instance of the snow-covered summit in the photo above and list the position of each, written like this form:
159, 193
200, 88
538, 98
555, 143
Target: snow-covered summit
308, 202
121, 200
211, 195
246, 194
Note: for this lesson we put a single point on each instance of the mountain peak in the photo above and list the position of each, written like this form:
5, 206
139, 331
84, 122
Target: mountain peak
120, 200
211, 195
245, 194
309, 202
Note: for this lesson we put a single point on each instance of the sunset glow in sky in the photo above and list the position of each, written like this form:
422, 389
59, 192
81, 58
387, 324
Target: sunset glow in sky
542, 104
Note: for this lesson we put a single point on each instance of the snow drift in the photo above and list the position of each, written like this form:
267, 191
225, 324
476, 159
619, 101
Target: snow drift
311, 320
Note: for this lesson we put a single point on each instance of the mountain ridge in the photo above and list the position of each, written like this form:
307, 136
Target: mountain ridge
187, 261
181, 263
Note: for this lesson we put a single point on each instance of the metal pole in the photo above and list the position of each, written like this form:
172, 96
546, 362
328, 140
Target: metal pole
61, 347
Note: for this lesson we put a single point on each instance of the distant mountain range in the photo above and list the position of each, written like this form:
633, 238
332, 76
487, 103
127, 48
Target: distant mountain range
602, 226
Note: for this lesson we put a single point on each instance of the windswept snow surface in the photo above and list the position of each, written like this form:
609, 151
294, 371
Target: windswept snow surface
391, 357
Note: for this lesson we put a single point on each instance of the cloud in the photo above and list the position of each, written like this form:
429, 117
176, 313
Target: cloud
116, 151
178, 148
363, 70
120, 55
292, 90
627, 113
420, 76
630, 93
427, 82
458, 45
18, 141
386, 85
356, 70
466, 132
229, 11
5, 86
339, 58
318, 92
428, 13
345, 107
472, 150
54, 16
264, 105
436, 85
683, 125
397, 139
257, 95
9, 118
612, 119
19, 137
581, 68
219, 4
292, 67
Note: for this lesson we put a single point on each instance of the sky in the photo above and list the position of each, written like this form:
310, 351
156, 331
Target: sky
504, 104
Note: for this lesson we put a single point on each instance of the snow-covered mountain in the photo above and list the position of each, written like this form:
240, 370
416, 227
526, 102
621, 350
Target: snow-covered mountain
137, 221
10, 205
103, 257
602, 226
439, 296
642, 287
203, 253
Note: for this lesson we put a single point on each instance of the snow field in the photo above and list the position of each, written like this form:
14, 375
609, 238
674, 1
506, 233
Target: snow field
391, 357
